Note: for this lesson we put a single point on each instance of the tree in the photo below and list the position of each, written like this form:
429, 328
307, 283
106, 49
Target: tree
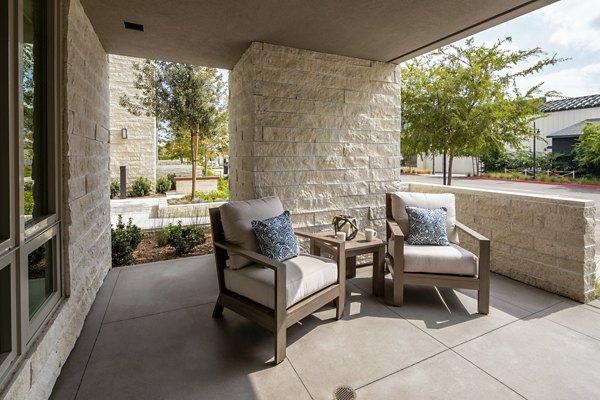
587, 149
186, 99
464, 100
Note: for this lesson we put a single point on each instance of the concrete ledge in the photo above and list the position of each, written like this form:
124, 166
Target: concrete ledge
196, 210
544, 241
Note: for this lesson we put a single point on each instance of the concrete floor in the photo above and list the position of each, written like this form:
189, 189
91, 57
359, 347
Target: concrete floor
150, 335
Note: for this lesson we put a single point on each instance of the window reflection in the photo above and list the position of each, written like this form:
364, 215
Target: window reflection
41, 277
5, 312
34, 87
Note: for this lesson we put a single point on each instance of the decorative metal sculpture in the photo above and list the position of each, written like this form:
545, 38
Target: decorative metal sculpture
347, 224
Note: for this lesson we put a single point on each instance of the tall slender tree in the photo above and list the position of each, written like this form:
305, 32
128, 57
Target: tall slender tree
464, 100
184, 98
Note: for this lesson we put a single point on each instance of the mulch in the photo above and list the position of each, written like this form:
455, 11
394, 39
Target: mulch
148, 251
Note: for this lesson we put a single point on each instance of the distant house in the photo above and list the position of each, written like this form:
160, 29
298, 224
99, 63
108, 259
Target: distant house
564, 119
564, 140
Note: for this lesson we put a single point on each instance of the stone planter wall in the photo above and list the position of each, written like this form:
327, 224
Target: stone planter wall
544, 241
198, 210
204, 184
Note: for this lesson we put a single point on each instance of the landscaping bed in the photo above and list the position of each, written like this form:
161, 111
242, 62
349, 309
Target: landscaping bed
149, 250
590, 183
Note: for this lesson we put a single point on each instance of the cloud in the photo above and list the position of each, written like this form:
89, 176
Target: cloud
571, 82
573, 24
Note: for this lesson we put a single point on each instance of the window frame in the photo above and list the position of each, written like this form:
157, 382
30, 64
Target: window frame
30, 327
9, 261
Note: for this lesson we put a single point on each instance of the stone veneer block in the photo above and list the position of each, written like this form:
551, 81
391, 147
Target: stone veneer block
544, 241
320, 131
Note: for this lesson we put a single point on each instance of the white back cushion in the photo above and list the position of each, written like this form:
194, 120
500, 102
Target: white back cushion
236, 218
425, 200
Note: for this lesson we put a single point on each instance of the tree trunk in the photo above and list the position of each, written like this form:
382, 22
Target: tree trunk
450, 160
194, 160
205, 159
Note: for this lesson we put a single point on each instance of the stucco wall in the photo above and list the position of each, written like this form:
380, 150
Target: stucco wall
544, 241
138, 151
320, 131
86, 211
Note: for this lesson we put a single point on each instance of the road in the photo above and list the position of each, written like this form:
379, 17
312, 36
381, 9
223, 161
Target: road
521, 187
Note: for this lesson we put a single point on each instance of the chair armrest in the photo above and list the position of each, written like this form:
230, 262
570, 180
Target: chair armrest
395, 229
334, 246
251, 255
471, 232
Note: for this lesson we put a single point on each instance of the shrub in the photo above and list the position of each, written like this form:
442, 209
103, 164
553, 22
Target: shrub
115, 188
171, 177
223, 184
184, 239
163, 185
28, 198
125, 239
162, 237
141, 187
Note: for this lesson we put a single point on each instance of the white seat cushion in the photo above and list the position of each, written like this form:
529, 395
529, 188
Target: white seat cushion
450, 260
425, 200
305, 275
237, 218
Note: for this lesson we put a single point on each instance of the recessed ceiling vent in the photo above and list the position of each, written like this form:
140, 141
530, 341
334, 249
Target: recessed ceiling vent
133, 26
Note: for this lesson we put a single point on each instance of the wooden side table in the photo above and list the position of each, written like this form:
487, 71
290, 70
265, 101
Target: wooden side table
356, 247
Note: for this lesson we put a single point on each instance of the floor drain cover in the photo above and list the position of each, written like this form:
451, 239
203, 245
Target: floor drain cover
344, 393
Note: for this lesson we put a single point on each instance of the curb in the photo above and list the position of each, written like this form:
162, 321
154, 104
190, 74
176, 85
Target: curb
534, 182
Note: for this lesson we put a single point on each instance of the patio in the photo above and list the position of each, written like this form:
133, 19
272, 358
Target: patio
150, 335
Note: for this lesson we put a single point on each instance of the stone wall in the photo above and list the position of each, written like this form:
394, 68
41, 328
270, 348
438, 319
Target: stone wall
320, 131
139, 151
544, 241
166, 167
86, 213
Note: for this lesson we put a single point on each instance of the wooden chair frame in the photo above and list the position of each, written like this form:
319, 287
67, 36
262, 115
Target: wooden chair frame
481, 282
279, 319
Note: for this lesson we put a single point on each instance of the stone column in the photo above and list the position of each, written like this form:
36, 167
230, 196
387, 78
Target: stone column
139, 151
320, 131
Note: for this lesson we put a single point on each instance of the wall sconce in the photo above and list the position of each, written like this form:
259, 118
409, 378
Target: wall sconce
124, 133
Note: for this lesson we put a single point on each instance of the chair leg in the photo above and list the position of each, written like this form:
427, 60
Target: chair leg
217, 311
280, 345
483, 298
340, 303
397, 288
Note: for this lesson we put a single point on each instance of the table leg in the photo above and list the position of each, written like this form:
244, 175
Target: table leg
378, 272
314, 249
350, 267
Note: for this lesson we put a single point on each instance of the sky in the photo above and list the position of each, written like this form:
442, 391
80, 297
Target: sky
567, 28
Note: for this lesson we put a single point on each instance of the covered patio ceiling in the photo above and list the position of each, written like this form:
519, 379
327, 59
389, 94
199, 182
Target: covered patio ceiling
216, 32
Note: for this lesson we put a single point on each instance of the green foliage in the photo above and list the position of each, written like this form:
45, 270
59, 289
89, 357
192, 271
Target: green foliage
189, 99
464, 101
171, 178
28, 202
163, 184
543, 177
125, 239
521, 160
115, 188
184, 239
215, 195
588, 147
162, 237
141, 187
223, 185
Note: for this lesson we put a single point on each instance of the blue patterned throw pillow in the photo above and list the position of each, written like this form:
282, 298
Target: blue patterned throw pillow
427, 226
275, 237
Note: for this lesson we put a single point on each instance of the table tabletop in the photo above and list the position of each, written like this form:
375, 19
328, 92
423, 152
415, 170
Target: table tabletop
358, 243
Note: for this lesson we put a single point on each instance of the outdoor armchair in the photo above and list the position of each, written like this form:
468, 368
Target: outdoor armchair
273, 294
442, 266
